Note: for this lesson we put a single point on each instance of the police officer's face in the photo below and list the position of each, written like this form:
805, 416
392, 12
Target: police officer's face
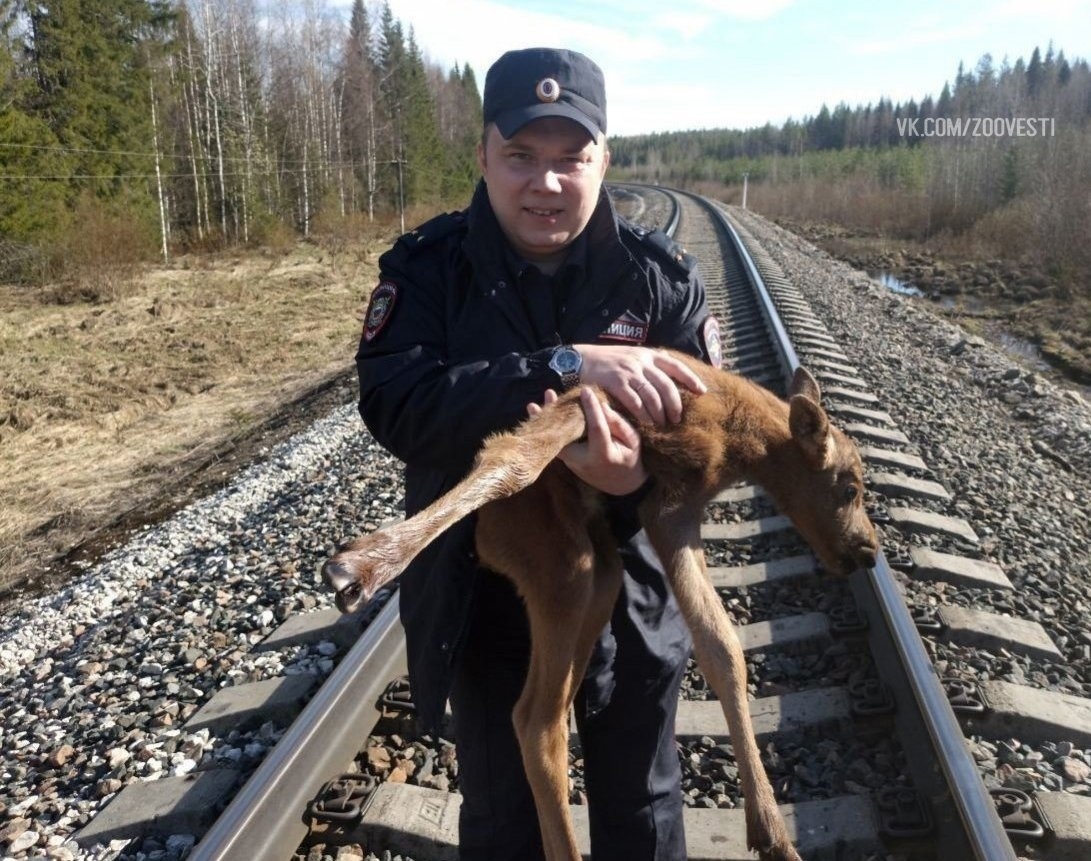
543, 183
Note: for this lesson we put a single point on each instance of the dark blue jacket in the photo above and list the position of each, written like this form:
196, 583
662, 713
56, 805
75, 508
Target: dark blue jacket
458, 345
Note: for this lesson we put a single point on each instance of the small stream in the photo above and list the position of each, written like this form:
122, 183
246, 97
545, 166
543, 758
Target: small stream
894, 283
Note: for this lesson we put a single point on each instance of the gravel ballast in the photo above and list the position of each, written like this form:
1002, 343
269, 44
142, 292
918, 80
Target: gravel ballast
99, 678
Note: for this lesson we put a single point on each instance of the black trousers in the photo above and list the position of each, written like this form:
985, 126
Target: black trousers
625, 712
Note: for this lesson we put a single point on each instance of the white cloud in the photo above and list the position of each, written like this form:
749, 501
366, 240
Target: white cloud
479, 31
688, 25
1061, 11
746, 10
920, 35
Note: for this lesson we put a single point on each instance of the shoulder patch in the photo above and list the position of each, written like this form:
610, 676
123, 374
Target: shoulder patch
432, 231
379, 308
671, 250
710, 339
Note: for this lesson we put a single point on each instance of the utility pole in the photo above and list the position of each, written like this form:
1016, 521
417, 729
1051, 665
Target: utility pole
745, 178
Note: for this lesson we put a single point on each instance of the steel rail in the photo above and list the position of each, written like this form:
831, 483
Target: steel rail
983, 827
671, 227
671, 224
267, 814
782, 341
326, 735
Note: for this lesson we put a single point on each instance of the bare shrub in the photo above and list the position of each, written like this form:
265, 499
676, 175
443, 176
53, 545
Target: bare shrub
204, 242
273, 236
354, 231
854, 202
21, 263
1004, 232
96, 259
342, 235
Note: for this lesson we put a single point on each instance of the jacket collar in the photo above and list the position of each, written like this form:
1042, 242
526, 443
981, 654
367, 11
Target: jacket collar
598, 251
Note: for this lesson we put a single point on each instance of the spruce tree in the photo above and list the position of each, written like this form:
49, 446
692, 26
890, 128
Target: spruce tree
32, 166
424, 150
356, 86
90, 66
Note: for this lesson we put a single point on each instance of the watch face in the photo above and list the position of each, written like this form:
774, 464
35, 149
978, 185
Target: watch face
566, 361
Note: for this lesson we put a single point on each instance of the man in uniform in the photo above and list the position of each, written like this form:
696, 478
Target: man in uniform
478, 316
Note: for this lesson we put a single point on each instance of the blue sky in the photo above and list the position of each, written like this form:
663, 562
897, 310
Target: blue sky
740, 63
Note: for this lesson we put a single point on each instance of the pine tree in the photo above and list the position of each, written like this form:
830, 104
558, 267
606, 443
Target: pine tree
1035, 75
412, 136
1064, 70
944, 104
425, 153
462, 163
391, 62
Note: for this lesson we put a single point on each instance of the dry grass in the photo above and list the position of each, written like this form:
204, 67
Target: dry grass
102, 401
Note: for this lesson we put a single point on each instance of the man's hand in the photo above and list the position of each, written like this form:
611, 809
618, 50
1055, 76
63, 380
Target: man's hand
610, 458
642, 380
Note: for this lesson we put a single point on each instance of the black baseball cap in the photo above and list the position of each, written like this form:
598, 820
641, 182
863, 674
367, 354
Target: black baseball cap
532, 83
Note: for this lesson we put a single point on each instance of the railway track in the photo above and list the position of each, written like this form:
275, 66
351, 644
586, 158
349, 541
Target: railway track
872, 753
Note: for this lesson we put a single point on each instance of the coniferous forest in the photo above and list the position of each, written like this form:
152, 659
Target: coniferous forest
1000, 158
199, 123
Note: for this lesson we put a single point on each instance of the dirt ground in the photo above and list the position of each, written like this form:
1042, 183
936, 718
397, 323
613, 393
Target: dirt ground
108, 407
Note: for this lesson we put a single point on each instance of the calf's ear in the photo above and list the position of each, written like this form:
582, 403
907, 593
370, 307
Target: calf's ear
811, 430
805, 384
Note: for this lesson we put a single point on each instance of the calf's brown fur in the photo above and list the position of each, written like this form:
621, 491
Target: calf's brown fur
545, 530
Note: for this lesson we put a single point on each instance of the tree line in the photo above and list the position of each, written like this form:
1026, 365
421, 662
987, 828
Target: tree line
1046, 85
1010, 189
213, 121
194, 123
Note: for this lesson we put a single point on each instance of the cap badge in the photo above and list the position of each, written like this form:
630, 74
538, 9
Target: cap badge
548, 90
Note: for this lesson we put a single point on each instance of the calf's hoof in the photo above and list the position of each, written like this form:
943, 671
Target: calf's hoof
767, 836
780, 853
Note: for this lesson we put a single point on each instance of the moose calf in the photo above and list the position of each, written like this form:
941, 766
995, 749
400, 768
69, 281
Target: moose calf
570, 574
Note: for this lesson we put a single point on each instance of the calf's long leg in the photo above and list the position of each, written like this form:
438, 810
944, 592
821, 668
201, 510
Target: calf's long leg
568, 571
676, 537
508, 463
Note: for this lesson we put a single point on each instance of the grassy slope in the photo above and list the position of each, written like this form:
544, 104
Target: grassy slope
102, 404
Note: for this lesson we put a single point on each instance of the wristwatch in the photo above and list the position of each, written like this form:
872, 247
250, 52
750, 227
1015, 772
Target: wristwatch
566, 362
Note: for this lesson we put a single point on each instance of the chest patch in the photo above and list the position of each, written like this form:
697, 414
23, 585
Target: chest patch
710, 337
627, 328
379, 309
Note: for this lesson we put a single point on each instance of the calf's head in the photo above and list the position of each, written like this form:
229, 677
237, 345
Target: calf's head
825, 498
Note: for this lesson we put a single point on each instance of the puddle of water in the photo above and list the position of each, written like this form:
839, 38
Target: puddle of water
892, 282
1021, 348
1027, 354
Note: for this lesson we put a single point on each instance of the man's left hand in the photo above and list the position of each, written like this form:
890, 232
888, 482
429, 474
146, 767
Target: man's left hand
609, 460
